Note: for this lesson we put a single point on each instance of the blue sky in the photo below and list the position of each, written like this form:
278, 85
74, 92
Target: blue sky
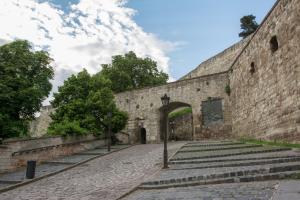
205, 27
178, 34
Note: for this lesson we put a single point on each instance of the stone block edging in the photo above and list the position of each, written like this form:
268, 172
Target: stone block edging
261, 162
221, 148
212, 144
265, 177
233, 154
228, 160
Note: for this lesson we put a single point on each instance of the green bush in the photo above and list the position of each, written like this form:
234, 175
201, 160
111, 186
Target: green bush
227, 89
180, 113
66, 128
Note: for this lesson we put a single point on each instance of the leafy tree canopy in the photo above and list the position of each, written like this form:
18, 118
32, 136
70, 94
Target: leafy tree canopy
82, 106
248, 25
131, 72
24, 83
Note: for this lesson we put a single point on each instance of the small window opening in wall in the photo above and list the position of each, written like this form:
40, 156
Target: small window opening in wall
137, 106
151, 104
207, 83
252, 68
198, 89
274, 44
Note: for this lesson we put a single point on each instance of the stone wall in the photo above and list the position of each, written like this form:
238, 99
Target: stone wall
219, 63
265, 84
144, 105
15, 153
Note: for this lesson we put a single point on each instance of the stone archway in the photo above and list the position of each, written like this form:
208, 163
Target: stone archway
164, 116
143, 136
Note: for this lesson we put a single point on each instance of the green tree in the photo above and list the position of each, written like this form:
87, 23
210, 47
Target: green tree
82, 105
24, 83
131, 72
248, 25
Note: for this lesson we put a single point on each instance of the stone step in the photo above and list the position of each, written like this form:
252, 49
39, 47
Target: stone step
230, 160
73, 158
211, 144
119, 146
230, 154
9, 182
220, 149
236, 163
213, 174
220, 180
209, 141
90, 153
106, 148
261, 170
59, 163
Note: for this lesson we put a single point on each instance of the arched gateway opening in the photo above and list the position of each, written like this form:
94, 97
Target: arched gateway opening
177, 120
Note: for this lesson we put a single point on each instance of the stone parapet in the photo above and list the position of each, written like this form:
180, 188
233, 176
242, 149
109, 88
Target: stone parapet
14, 153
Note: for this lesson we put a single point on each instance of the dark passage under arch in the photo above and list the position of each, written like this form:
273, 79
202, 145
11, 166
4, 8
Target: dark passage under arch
164, 111
143, 136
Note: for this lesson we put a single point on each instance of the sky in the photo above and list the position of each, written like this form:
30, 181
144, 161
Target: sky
177, 34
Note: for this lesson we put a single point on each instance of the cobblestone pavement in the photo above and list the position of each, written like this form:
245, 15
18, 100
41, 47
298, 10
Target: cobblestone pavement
240, 191
54, 165
107, 177
288, 190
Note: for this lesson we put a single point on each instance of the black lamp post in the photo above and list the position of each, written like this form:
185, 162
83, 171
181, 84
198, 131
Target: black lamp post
109, 114
165, 102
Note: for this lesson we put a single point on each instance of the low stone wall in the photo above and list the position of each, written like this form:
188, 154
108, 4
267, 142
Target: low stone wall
15, 153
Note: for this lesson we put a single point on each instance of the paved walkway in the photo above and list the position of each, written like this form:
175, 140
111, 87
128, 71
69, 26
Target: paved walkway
215, 170
56, 165
107, 177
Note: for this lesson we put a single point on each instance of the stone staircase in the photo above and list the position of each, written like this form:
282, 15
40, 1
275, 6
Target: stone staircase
220, 162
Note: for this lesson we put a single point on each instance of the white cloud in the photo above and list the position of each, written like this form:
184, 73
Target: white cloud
87, 36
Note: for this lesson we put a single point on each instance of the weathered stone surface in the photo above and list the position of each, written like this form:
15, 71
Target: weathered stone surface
219, 63
266, 104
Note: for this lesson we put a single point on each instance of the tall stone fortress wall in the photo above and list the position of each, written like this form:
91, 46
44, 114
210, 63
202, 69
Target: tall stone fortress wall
265, 81
219, 63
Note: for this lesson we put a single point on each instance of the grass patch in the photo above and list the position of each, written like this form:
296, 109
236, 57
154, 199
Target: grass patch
275, 143
180, 113
295, 176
